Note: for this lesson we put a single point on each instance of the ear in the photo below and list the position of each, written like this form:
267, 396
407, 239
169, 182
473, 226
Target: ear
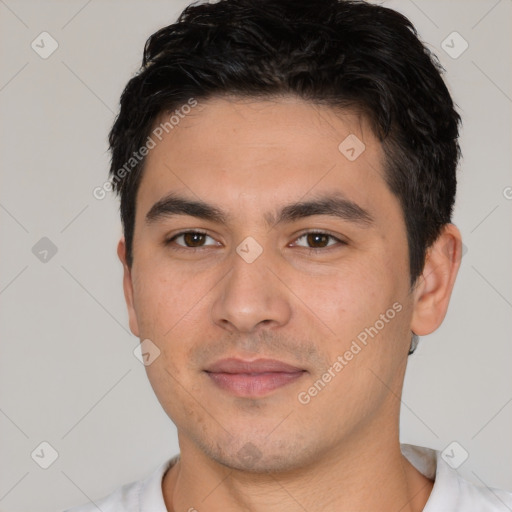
434, 287
128, 287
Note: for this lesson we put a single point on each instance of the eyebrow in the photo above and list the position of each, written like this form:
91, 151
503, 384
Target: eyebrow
334, 205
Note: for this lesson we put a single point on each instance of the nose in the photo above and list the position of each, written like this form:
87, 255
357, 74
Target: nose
251, 296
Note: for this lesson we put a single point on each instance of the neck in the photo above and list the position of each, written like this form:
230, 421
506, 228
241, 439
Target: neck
360, 475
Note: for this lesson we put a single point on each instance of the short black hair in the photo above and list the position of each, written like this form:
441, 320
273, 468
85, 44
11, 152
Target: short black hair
341, 53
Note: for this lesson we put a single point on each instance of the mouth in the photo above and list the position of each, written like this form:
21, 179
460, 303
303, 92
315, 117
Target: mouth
252, 378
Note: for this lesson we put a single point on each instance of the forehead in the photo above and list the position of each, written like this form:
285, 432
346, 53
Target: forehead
262, 151
277, 124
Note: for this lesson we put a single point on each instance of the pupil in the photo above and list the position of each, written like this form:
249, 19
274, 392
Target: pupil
314, 238
192, 238
195, 239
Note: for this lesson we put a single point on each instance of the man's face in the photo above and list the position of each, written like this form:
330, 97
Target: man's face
258, 286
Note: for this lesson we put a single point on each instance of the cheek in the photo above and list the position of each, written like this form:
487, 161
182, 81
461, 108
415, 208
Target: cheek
162, 298
348, 294
364, 301
172, 310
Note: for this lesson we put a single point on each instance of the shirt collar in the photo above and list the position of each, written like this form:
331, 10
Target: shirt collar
446, 480
151, 497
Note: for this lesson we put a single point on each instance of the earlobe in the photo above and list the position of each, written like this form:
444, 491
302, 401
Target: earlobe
434, 287
128, 287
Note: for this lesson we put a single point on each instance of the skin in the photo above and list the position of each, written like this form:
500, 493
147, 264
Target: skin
340, 451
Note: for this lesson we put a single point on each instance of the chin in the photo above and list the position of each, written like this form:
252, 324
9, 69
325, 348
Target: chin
253, 456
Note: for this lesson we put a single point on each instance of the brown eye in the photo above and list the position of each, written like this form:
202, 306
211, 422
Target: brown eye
190, 239
318, 240
193, 239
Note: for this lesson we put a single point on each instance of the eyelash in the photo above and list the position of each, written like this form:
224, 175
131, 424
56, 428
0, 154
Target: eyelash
169, 241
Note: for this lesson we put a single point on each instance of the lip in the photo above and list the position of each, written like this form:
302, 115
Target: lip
234, 365
252, 378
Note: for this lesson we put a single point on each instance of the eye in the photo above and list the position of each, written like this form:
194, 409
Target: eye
190, 239
318, 240
193, 239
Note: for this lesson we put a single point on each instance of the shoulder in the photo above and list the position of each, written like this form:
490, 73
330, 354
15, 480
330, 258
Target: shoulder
478, 498
145, 494
123, 499
451, 492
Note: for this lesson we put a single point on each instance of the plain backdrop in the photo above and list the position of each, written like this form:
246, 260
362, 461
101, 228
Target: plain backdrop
68, 375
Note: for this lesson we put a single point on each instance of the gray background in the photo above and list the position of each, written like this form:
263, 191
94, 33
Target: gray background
68, 375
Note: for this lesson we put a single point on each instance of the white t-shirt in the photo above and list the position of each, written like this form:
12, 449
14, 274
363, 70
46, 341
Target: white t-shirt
450, 493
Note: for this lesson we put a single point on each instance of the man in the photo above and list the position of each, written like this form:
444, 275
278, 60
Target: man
287, 174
